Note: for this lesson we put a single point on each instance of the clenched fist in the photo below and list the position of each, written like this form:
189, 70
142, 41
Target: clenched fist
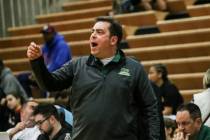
34, 51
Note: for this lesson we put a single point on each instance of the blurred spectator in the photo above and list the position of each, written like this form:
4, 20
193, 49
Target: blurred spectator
9, 82
189, 123
129, 6
56, 52
48, 121
3, 110
14, 103
171, 97
26, 129
170, 127
203, 99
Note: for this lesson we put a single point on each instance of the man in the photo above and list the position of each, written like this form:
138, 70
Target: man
48, 121
189, 122
202, 99
56, 52
111, 95
9, 83
25, 129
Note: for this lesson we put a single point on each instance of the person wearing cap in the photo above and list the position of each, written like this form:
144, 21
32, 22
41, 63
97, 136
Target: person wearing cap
56, 52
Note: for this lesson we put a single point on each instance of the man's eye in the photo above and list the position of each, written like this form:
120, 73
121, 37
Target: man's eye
100, 32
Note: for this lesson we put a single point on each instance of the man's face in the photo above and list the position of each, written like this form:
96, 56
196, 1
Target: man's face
48, 37
101, 42
43, 124
186, 124
28, 110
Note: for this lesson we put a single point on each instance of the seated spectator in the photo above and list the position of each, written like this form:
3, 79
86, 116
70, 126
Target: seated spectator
170, 95
26, 129
56, 52
170, 127
3, 110
203, 99
66, 117
128, 6
48, 121
9, 83
189, 123
14, 103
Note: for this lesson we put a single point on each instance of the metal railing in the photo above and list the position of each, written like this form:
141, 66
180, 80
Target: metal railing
14, 13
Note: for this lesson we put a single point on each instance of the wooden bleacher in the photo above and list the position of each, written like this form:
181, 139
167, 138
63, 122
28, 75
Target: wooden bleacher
79, 5
147, 18
169, 38
170, 51
184, 24
182, 65
185, 43
199, 10
71, 15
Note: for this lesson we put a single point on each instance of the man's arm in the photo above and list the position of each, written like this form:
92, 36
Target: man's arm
19, 127
148, 105
58, 80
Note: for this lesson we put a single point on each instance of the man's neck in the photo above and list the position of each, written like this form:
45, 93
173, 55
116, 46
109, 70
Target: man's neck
106, 60
56, 129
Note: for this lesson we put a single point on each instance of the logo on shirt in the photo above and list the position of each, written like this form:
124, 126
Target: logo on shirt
124, 71
67, 137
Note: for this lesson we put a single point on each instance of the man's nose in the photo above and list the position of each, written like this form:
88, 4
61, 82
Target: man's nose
181, 127
93, 34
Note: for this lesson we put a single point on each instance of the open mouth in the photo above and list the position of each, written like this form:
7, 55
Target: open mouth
93, 44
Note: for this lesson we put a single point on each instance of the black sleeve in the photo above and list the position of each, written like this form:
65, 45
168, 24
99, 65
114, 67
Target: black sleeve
43, 137
148, 106
58, 80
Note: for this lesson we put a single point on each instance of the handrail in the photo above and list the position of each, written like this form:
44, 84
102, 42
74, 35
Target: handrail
14, 13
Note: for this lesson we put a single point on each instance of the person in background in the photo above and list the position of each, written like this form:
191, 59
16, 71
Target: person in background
14, 104
189, 123
202, 99
56, 52
3, 111
171, 97
9, 83
26, 129
170, 127
110, 95
48, 121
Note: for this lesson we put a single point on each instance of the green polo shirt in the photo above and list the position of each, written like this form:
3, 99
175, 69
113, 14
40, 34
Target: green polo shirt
204, 133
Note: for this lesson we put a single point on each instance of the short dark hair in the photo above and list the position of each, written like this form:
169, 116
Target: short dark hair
115, 28
46, 110
192, 108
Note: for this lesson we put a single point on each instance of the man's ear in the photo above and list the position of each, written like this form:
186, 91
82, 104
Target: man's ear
52, 119
198, 121
114, 40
